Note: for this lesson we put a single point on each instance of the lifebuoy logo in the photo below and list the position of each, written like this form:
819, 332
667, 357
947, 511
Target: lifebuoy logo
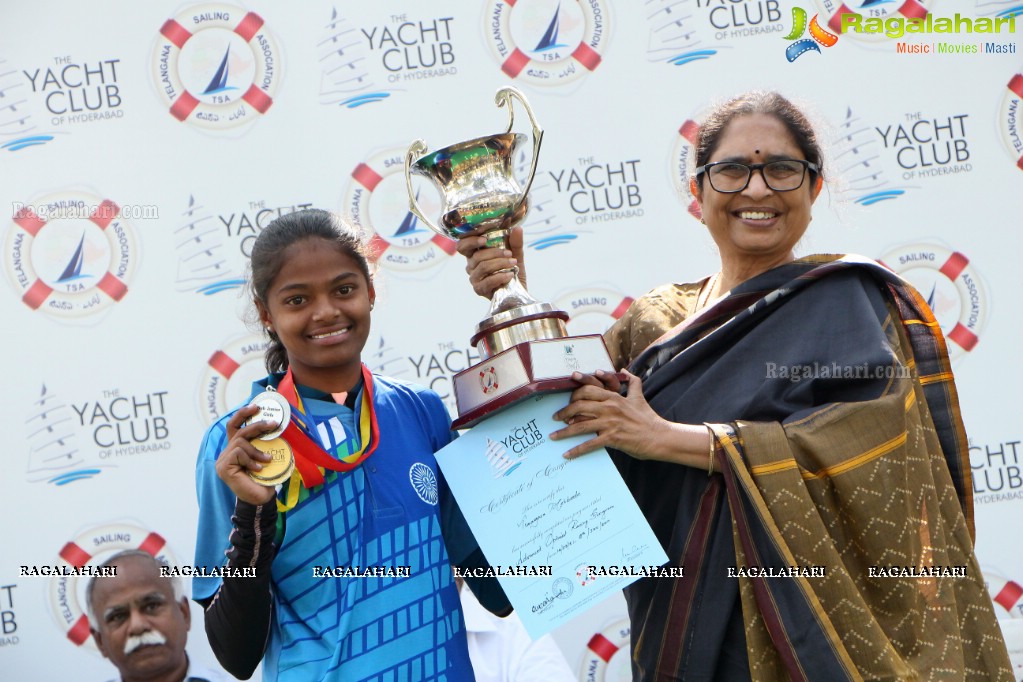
216, 66
71, 254
547, 42
607, 658
683, 160
1010, 119
592, 309
230, 371
92, 547
376, 200
952, 288
1006, 594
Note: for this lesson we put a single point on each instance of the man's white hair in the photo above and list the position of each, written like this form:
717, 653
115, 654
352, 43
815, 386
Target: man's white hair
90, 610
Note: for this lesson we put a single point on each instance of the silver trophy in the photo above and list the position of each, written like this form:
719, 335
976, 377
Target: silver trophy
524, 343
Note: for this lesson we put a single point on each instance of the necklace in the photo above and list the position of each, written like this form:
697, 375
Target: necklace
704, 297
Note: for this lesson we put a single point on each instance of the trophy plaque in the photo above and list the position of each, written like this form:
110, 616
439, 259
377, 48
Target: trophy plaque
523, 343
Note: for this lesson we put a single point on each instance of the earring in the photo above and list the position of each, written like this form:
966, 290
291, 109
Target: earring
371, 304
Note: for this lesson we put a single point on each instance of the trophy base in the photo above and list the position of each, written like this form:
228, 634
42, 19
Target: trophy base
533, 322
524, 370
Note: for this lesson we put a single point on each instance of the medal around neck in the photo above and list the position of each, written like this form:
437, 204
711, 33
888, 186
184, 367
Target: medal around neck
280, 466
273, 407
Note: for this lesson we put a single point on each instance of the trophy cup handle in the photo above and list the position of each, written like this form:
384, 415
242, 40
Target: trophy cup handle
415, 150
504, 96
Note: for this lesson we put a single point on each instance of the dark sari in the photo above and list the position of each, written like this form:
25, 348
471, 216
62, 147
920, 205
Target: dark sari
841, 447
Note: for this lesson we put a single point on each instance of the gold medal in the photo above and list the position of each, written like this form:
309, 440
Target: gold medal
273, 407
279, 468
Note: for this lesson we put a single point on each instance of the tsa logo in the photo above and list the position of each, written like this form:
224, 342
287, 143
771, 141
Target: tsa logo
952, 288
71, 254
547, 42
376, 200
216, 66
802, 46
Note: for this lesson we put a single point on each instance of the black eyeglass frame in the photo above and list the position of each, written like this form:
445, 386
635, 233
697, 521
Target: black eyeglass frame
752, 167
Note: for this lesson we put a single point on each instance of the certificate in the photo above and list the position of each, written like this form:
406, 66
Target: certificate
562, 535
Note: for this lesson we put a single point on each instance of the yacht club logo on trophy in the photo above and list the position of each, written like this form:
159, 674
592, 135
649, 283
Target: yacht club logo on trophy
523, 343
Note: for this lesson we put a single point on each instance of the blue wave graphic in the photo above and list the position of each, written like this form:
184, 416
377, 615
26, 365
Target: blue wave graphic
548, 242
72, 476
873, 198
218, 90
686, 57
799, 48
1011, 12
874, 3
22, 142
224, 285
368, 98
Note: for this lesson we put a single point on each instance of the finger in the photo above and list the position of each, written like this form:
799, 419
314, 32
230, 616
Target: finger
587, 379
240, 417
248, 457
610, 380
487, 285
256, 429
584, 448
467, 246
515, 243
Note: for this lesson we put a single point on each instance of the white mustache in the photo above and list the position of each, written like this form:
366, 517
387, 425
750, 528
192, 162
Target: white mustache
147, 638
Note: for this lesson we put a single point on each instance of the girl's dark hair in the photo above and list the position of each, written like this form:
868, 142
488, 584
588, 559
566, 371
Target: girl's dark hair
759, 102
268, 258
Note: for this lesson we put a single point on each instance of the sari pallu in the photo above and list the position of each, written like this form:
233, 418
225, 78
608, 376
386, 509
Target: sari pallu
841, 448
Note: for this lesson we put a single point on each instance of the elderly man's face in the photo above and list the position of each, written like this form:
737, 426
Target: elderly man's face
142, 630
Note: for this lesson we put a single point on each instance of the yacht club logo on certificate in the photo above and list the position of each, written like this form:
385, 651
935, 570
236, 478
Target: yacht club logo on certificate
528, 506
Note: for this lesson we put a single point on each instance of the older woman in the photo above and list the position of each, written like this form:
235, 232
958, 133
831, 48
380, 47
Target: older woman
791, 430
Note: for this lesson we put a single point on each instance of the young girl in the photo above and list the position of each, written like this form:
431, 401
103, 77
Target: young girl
364, 495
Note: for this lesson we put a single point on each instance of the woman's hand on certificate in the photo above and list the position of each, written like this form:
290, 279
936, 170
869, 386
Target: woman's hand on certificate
623, 422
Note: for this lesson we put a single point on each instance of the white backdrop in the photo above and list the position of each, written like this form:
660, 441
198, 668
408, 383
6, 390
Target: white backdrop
123, 326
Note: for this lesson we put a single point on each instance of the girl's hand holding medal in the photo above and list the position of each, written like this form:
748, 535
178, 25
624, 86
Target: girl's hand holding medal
241, 461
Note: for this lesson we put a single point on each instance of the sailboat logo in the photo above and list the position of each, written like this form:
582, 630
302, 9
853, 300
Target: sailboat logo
218, 83
549, 41
857, 151
54, 455
73, 270
344, 79
500, 463
410, 223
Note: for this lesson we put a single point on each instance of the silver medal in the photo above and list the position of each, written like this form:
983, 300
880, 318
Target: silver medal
273, 407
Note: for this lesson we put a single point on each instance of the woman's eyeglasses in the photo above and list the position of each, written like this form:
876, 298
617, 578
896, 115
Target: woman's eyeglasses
783, 175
